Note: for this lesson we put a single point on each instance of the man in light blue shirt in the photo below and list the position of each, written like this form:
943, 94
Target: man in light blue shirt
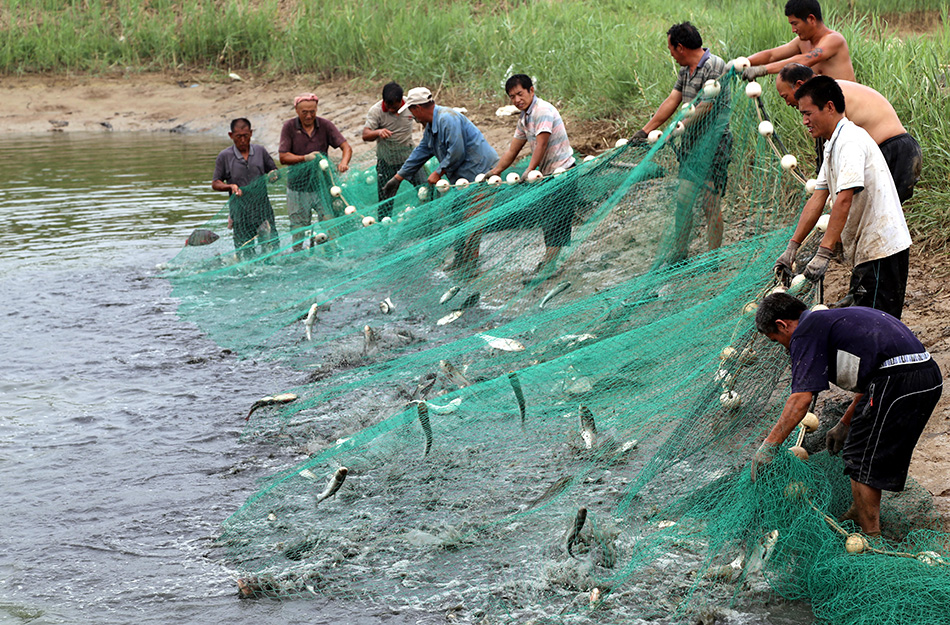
460, 147
462, 152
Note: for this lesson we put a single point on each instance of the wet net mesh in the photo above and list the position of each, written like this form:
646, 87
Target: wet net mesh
500, 442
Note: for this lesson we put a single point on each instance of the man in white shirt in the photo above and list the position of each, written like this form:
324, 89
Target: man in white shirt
866, 214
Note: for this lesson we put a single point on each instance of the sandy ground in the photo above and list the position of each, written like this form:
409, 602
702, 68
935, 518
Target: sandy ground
202, 104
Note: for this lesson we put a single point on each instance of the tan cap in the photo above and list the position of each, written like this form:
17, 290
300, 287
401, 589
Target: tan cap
416, 95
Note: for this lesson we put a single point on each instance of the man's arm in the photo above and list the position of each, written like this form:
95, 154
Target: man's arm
540, 148
220, 185
450, 134
372, 135
839, 216
827, 48
810, 214
795, 409
508, 157
420, 154
666, 110
347, 155
786, 51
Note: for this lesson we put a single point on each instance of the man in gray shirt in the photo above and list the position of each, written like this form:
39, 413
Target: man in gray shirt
250, 213
392, 132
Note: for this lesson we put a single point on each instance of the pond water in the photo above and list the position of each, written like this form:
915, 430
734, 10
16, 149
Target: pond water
119, 423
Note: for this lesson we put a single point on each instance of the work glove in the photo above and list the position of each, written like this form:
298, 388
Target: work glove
390, 188
783, 265
638, 137
818, 265
763, 457
756, 71
310, 157
834, 439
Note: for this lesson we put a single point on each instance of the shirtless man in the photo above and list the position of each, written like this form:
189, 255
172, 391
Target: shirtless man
817, 46
870, 110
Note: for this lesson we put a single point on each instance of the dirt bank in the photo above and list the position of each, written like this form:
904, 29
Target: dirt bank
204, 104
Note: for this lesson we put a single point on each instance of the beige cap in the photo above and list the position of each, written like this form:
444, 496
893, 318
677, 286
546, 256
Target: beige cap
416, 95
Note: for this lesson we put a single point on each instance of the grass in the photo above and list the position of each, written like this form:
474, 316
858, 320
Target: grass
603, 59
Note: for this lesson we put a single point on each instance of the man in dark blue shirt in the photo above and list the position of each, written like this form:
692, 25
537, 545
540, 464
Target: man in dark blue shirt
896, 384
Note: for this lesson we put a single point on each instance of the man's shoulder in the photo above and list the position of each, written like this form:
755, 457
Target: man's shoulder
832, 36
289, 124
226, 152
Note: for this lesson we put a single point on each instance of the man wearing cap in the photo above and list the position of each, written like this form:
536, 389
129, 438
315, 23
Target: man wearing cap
866, 214
540, 126
249, 214
302, 139
869, 110
462, 151
896, 384
392, 132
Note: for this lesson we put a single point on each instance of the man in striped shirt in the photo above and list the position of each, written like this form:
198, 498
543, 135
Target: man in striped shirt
541, 127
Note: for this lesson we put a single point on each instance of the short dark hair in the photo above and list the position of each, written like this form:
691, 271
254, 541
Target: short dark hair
392, 93
821, 90
803, 8
685, 34
777, 306
793, 72
240, 121
518, 79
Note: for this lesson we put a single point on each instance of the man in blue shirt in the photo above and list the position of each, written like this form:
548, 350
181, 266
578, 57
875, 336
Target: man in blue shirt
462, 151
896, 384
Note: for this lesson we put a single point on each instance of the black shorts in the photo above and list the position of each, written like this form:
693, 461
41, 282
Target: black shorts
881, 283
904, 159
888, 421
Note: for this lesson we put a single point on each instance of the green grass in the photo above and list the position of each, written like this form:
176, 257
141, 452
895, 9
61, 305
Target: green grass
601, 59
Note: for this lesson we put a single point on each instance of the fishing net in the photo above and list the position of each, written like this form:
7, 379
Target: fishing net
494, 441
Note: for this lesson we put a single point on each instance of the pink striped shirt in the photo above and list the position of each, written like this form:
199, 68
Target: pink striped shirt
542, 117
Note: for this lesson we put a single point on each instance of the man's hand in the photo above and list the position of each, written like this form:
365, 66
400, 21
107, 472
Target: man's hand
273, 176
342, 168
762, 457
384, 133
309, 157
638, 137
834, 439
818, 265
236, 190
756, 71
783, 264
434, 177
230, 222
390, 188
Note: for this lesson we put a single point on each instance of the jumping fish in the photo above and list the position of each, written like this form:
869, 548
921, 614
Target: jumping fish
588, 427
454, 374
333, 485
201, 237
423, 388
519, 395
283, 398
505, 345
423, 409
449, 294
553, 490
579, 521
387, 306
471, 301
449, 318
563, 286
369, 341
449, 408
310, 320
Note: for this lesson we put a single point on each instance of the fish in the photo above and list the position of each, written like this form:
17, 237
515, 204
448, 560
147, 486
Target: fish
387, 306
449, 318
588, 426
454, 374
369, 341
201, 237
574, 339
519, 395
579, 521
563, 286
423, 409
505, 345
449, 294
553, 490
423, 388
310, 320
334, 484
471, 301
283, 398
449, 408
